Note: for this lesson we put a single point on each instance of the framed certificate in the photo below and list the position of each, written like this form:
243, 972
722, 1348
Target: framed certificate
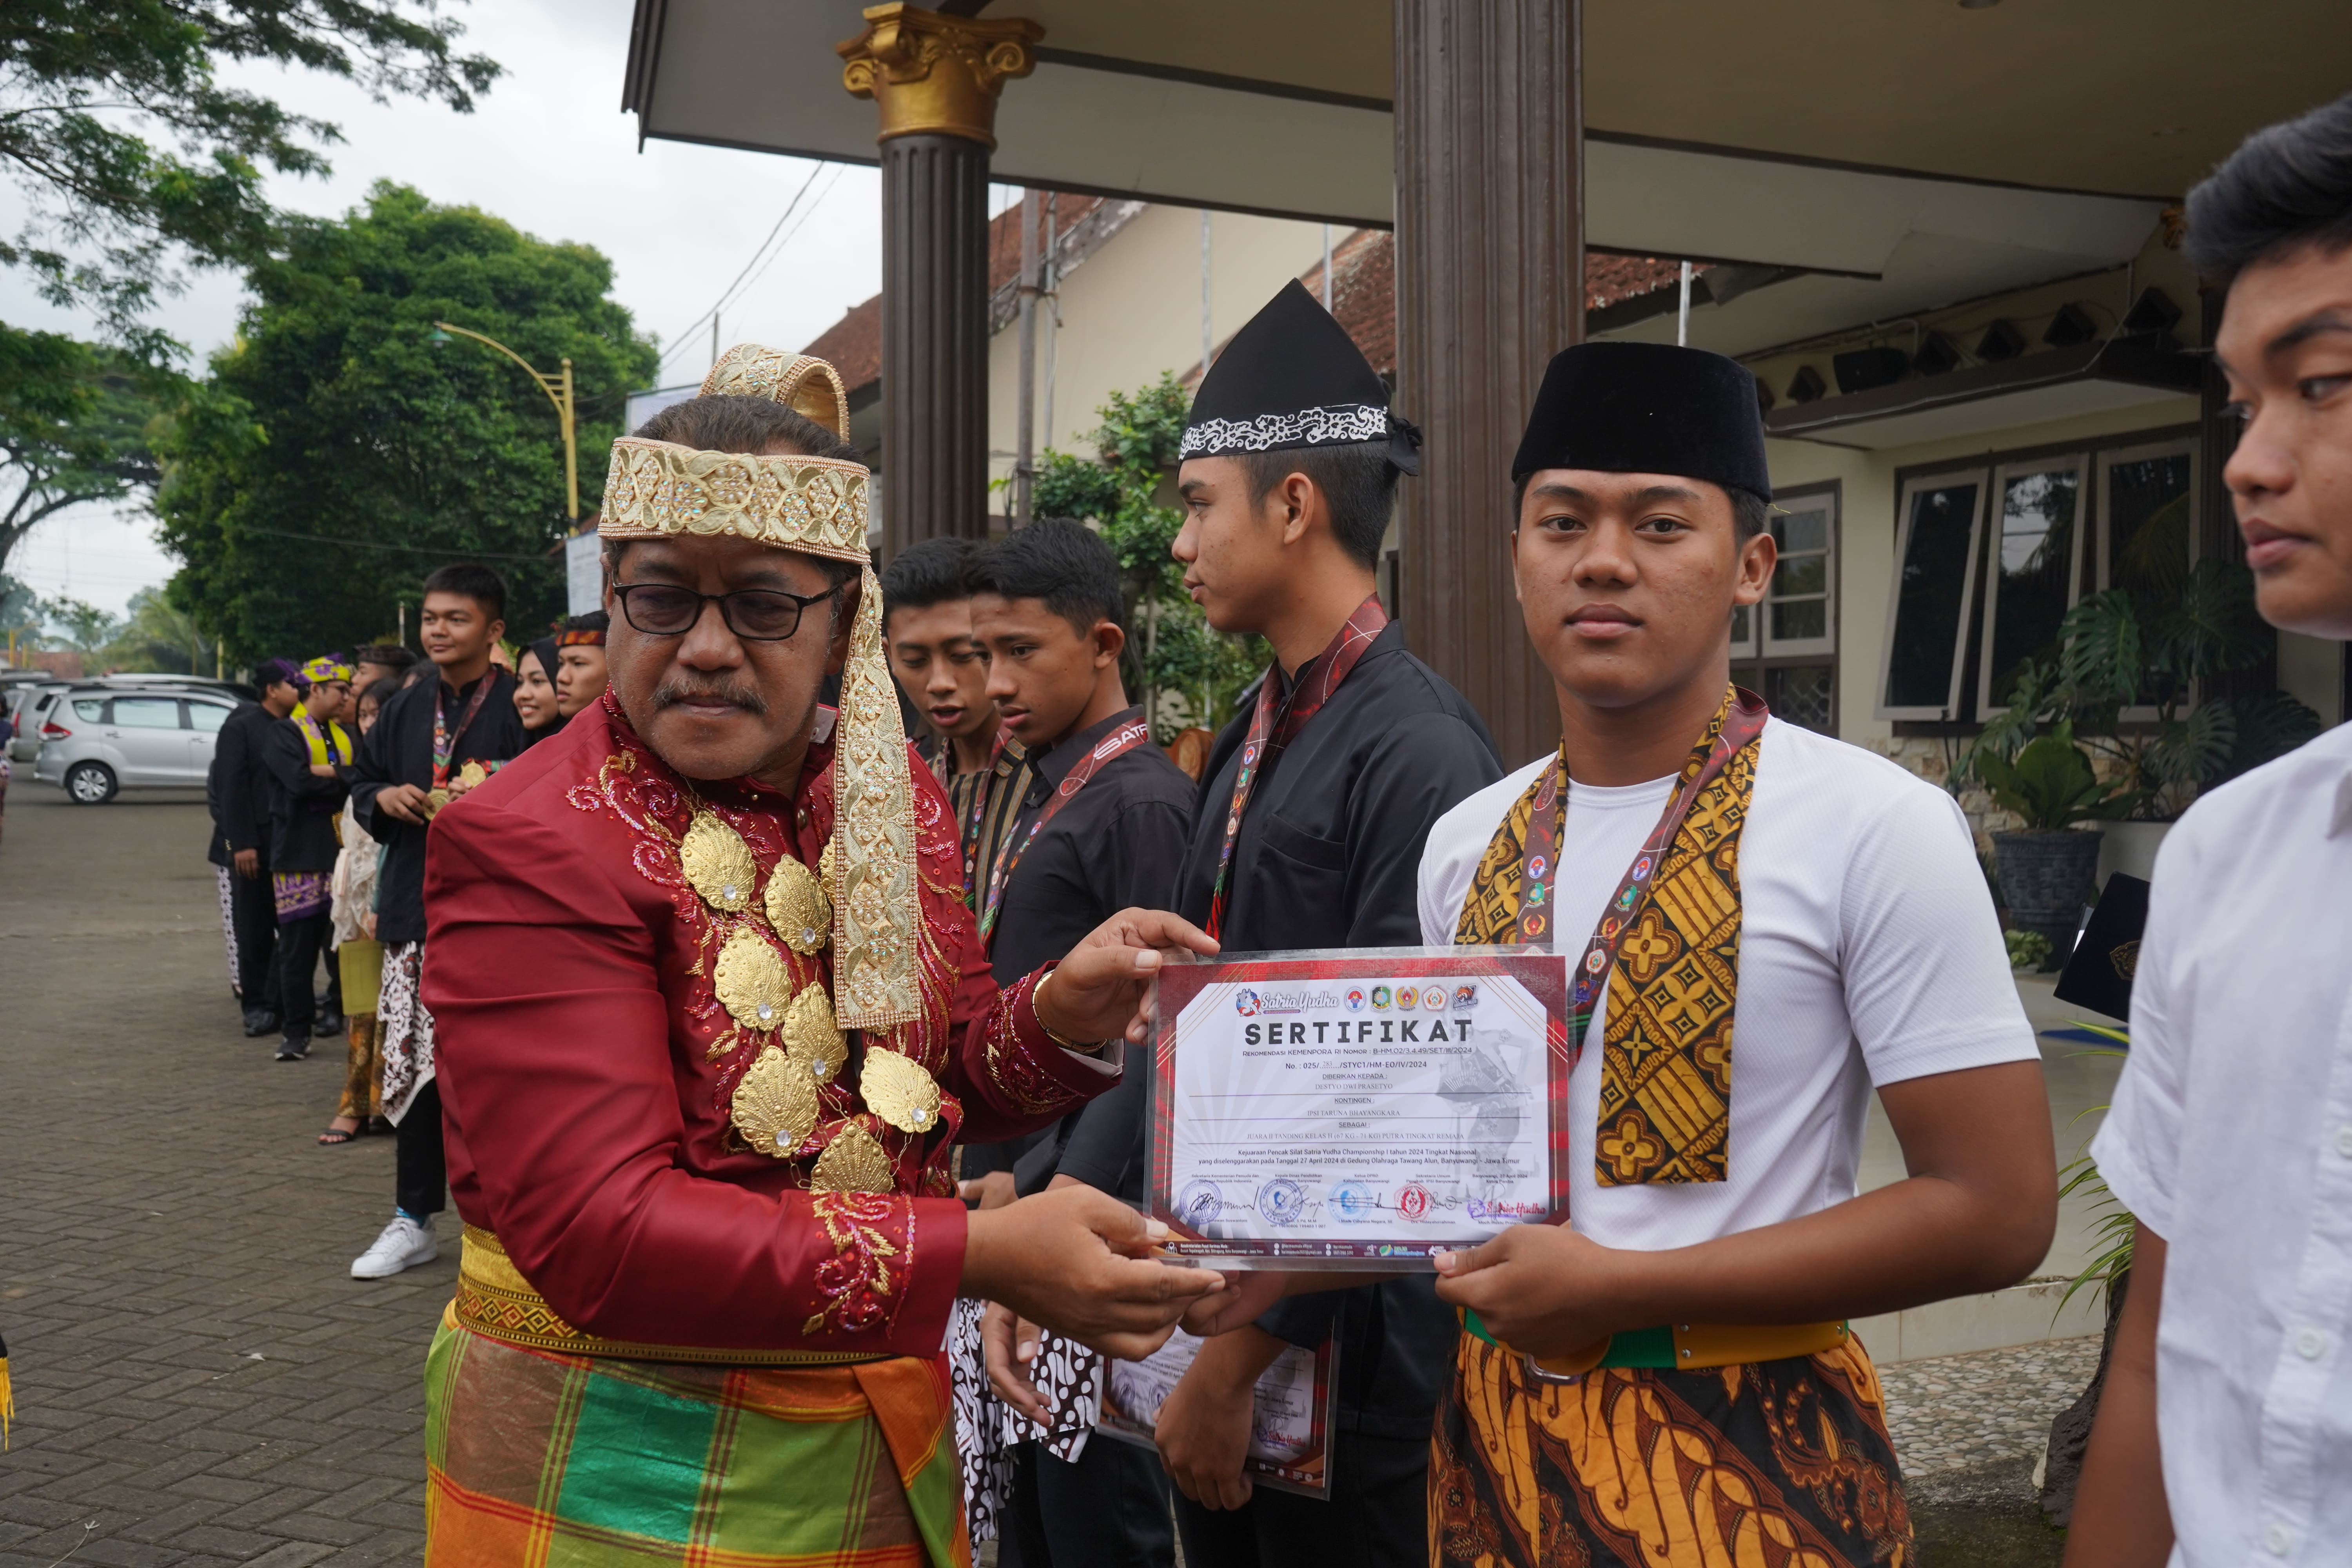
1290, 1410
1359, 1109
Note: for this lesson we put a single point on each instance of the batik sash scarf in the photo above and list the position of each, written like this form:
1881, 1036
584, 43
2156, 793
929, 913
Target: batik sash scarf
1667, 948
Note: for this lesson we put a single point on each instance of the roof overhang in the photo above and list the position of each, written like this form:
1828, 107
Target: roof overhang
2087, 378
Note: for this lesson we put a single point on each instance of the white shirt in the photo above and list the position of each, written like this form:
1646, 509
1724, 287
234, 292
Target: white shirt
1869, 953
2231, 1138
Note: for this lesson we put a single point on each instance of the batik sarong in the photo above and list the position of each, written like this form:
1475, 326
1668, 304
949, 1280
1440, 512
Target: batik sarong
535, 1459
407, 1038
1779, 1464
299, 895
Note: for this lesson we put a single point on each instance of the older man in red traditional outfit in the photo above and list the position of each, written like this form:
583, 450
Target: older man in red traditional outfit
711, 1011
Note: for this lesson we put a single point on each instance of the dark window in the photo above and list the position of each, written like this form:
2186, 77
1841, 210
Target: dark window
2035, 567
1931, 594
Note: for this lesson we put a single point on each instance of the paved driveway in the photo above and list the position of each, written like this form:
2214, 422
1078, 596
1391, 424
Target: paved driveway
198, 1379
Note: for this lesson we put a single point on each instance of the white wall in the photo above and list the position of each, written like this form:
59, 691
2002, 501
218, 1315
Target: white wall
1132, 310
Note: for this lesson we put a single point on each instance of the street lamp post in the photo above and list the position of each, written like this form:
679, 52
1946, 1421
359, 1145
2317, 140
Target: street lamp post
557, 388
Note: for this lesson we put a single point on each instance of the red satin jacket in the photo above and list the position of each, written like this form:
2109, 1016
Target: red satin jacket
569, 974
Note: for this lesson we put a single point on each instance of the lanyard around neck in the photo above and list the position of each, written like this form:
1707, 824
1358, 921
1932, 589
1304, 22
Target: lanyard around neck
1739, 721
1120, 742
1275, 721
445, 740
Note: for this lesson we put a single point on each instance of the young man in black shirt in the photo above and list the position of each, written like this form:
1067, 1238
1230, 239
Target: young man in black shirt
1101, 827
236, 787
307, 759
432, 743
1353, 749
942, 673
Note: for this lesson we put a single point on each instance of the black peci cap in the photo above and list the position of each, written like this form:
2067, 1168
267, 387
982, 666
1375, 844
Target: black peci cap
1647, 408
1293, 377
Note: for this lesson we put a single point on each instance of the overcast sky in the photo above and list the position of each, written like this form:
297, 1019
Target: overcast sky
550, 151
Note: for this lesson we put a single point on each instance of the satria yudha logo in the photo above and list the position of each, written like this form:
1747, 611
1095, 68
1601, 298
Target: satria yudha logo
1246, 1003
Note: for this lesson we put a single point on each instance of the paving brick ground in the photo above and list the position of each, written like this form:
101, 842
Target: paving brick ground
198, 1379
1961, 1411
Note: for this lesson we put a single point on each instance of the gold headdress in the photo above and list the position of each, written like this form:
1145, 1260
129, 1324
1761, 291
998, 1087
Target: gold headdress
657, 490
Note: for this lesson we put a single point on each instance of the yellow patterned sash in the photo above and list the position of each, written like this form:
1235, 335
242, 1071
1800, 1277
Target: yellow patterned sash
1665, 1083
494, 1299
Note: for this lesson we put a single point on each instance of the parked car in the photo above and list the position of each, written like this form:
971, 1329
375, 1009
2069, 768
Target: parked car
35, 701
97, 739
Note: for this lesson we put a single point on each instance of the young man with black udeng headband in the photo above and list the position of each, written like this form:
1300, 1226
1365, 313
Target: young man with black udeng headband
712, 1013
1707, 866
1312, 812
1101, 827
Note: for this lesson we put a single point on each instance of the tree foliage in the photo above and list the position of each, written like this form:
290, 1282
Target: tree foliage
73, 429
336, 454
83, 82
1171, 649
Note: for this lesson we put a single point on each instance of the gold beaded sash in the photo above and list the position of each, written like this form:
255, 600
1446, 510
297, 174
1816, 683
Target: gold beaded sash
494, 1299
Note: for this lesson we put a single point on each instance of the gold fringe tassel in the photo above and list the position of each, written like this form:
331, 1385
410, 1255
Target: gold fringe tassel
7, 1404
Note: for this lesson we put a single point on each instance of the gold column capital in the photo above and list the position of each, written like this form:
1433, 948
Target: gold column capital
937, 74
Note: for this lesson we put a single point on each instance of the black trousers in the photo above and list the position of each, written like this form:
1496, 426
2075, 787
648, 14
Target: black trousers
300, 942
1109, 1509
1376, 1517
253, 910
420, 1176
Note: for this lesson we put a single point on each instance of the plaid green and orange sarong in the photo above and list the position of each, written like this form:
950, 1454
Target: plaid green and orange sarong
537, 1459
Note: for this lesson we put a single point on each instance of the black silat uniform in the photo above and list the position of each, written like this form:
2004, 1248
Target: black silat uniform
1329, 856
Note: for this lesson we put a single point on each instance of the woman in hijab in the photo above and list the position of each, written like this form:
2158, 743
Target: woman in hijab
534, 696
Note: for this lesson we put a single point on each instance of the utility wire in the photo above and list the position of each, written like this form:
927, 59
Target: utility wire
412, 549
727, 295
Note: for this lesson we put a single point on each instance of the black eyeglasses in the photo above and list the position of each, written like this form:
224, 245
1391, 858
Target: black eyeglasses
755, 615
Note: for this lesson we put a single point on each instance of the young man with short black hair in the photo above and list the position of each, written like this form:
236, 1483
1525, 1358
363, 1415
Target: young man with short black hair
2224, 1431
237, 786
1308, 828
1102, 826
942, 672
1704, 863
431, 743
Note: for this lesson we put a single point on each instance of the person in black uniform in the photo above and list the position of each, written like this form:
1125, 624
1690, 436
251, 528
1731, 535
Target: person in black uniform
1308, 833
432, 741
1101, 827
237, 789
306, 760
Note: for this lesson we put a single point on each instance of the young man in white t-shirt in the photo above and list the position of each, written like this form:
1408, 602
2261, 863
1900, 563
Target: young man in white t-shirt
2231, 1137
1713, 867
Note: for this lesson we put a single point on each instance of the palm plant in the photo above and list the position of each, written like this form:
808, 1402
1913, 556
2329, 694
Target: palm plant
2122, 650
2112, 1236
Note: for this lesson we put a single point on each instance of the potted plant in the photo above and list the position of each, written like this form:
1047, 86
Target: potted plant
2049, 868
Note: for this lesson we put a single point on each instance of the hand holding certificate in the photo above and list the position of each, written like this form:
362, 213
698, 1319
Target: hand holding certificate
1360, 1110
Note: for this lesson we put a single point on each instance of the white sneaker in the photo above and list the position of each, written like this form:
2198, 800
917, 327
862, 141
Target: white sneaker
404, 1244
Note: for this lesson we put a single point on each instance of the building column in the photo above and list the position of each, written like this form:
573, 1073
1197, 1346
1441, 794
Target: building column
1490, 285
935, 79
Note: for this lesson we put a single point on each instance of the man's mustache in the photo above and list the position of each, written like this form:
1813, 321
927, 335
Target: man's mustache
670, 693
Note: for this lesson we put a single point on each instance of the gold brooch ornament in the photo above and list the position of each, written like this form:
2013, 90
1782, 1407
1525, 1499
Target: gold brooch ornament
798, 908
853, 1162
811, 1035
775, 1106
752, 981
718, 864
897, 1088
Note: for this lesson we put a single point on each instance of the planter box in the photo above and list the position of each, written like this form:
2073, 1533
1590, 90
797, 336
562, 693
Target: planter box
2046, 880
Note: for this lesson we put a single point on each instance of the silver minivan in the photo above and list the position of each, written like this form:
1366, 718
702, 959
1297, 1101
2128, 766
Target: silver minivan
97, 739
